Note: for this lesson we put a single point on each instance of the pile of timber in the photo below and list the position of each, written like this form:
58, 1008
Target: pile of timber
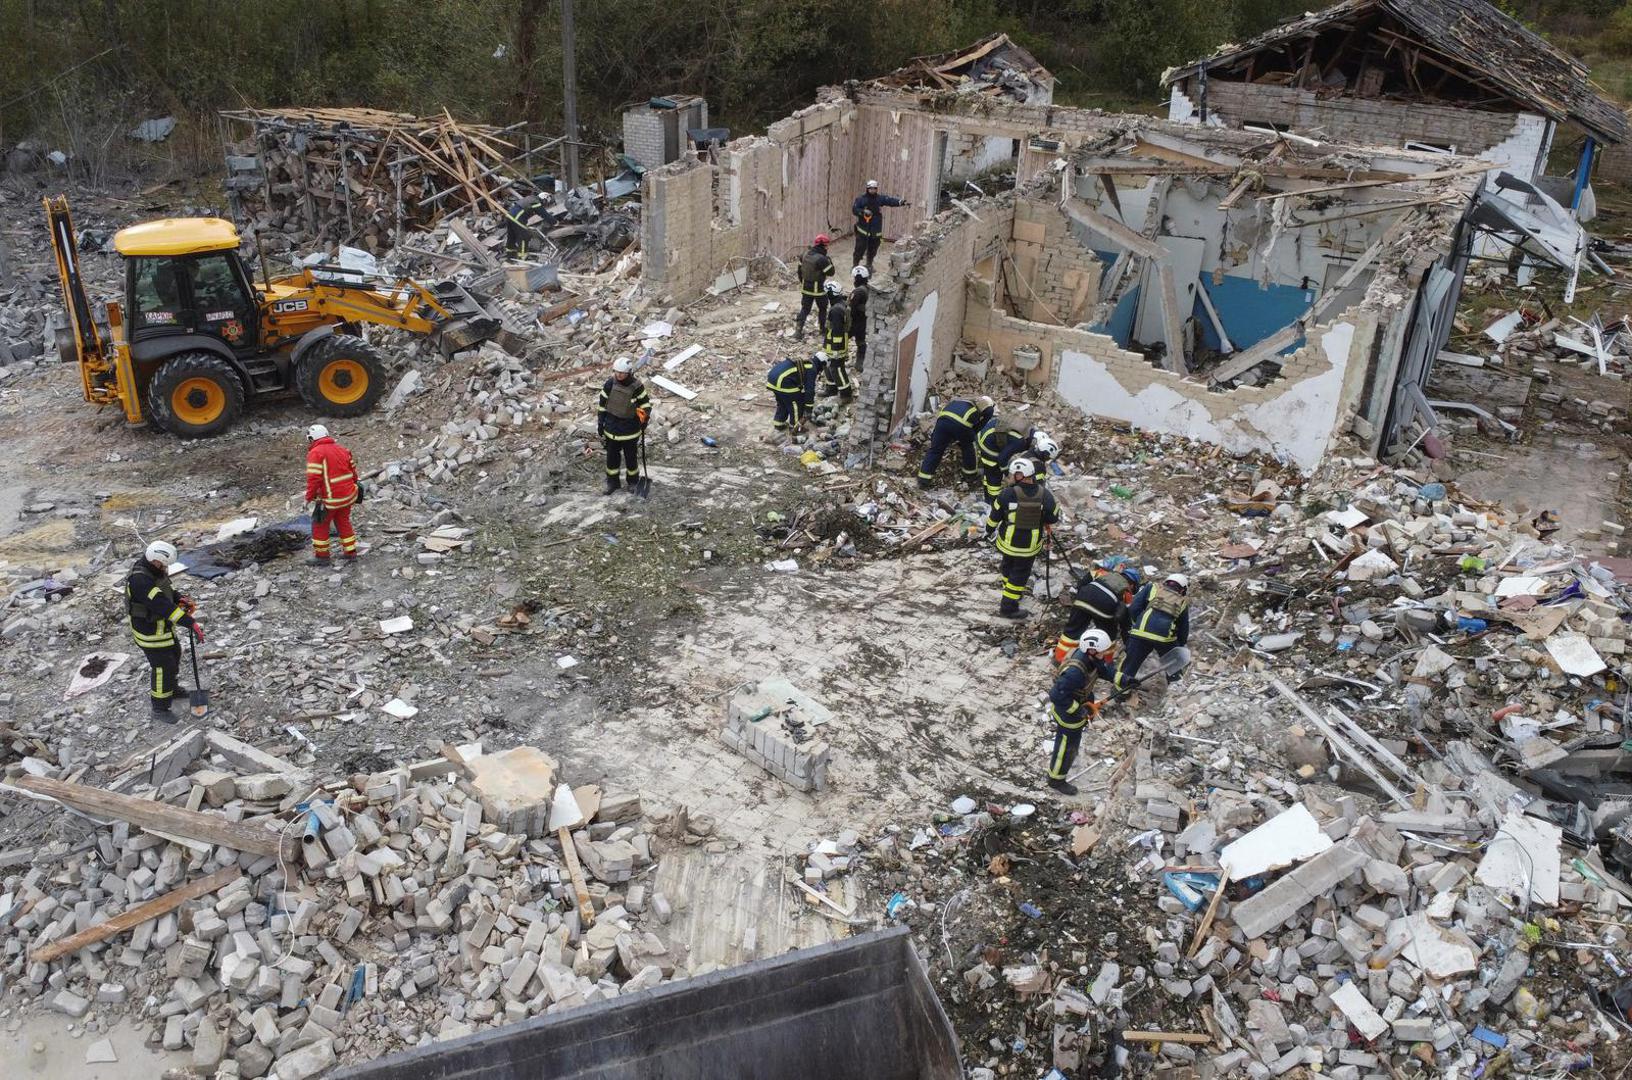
361, 176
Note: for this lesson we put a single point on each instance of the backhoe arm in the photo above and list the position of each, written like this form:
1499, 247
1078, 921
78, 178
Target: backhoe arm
104, 380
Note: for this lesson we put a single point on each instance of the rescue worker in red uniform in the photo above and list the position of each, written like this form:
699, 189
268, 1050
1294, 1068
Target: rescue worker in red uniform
331, 491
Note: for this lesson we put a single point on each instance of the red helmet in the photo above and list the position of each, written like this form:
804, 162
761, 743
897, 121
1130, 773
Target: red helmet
822, 240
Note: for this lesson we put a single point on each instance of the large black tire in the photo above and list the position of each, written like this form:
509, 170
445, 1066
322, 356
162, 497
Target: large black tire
195, 395
341, 375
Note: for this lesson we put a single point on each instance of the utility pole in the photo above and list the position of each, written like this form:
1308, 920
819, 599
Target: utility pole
569, 76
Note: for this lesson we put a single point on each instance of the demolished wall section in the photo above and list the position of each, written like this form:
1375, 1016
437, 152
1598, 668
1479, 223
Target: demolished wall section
1295, 417
914, 327
1516, 140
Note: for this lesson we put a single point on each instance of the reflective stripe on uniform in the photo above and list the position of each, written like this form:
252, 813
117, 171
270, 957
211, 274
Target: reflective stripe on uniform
1141, 629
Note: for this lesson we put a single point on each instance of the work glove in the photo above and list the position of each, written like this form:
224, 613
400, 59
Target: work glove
187, 604
198, 631
991, 532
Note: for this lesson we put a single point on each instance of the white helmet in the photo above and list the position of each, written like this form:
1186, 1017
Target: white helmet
820, 356
1095, 641
160, 552
1042, 444
872, 183
984, 403
1179, 581
860, 273
315, 432
623, 365
1022, 467
833, 288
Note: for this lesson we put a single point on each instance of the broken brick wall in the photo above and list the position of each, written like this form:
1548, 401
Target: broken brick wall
1295, 418
1519, 141
770, 194
1050, 276
916, 318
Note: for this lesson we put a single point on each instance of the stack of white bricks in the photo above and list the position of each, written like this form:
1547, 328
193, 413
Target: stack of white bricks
766, 739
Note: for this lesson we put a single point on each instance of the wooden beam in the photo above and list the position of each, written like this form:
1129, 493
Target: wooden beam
471, 241
1079, 211
1212, 911
136, 916
1341, 747
193, 824
1194, 1038
1443, 174
1172, 319
569, 855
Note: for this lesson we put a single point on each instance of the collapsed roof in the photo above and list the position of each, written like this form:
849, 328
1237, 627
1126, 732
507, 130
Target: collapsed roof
994, 65
1498, 58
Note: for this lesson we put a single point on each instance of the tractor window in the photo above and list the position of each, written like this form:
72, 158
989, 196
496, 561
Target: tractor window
156, 292
216, 287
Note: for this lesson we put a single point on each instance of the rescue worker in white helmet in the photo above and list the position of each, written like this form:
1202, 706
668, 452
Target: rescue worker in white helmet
1021, 514
836, 344
859, 295
155, 610
1071, 704
1158, 622
621, 416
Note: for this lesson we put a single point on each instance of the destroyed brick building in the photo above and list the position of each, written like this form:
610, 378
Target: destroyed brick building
1313, 281
1456, 76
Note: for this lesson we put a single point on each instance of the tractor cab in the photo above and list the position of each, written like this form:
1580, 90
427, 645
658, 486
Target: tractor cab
184, 276
196, 339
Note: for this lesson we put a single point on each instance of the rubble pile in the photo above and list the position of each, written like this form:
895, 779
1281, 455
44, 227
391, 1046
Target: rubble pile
1379, 830
421, 902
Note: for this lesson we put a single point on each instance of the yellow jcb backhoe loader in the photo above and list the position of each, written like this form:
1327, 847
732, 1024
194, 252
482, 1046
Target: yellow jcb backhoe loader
196, 337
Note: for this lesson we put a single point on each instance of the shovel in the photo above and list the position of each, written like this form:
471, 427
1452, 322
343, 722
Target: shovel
643, 483
199, 698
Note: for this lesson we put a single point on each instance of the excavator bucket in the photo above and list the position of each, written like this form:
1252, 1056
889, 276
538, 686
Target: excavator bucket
469, 323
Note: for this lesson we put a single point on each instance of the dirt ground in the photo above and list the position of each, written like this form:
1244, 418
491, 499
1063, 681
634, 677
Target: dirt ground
644, 616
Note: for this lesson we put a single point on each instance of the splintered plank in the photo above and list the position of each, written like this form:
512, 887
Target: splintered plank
193, 824
136, 916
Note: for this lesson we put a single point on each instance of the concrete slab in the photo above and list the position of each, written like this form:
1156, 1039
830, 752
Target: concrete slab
515, 788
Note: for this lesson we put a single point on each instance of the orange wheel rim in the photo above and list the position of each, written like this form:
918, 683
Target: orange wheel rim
343, 381
198, 401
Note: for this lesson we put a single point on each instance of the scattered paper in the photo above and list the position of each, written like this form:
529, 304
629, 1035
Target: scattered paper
399, 625
235, 527
1574, 654
1347, 519
95, 669
1521, 585
565, 662
400, 709
1438, 951
658, 329
783, 566
1284, 840
1523, 856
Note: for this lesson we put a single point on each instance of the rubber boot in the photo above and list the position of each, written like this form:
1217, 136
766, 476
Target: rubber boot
161, 711
925, 485
317, 560
1010, 609
612, 484
1064, 787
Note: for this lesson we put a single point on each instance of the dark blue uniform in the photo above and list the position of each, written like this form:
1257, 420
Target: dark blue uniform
787, 382
869, 211
957, 423
1102, 602
1070, 704
1158, 622
998, 442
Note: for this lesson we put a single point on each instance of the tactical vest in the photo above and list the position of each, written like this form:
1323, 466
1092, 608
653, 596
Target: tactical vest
811, 267
1028, 509
1115, 582
620, 399
1168, 601
1090, 675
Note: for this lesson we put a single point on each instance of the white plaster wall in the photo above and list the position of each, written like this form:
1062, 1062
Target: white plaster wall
923, 321
1523, 153
1180, 109
1296, 425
